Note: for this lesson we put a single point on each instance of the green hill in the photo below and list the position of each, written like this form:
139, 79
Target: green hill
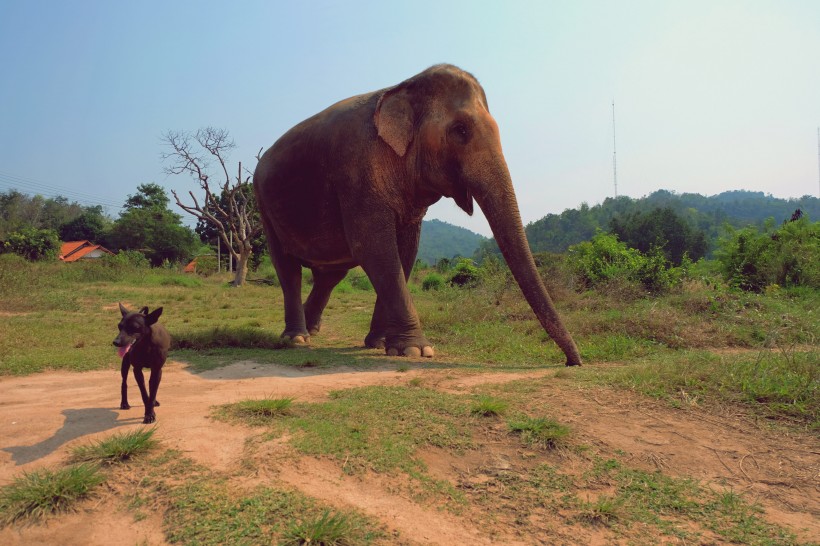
442, 240
556, 232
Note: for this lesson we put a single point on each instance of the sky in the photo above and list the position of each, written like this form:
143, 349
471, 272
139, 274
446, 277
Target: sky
709, 96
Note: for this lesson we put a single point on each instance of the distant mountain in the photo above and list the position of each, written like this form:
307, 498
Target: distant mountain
557, 232
442, 240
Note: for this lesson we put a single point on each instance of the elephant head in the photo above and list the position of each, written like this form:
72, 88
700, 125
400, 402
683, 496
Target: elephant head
439, 126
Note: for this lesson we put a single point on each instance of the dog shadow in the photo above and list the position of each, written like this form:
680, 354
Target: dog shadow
77, 423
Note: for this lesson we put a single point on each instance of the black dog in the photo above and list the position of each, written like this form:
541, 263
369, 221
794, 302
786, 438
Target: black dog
143, 343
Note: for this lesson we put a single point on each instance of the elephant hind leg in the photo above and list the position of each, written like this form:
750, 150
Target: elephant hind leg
323, 283
289, 271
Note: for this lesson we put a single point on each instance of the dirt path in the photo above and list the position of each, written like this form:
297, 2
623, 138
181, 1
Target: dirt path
43, 416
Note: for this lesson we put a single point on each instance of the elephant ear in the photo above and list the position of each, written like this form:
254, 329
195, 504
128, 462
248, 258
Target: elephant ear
394, 119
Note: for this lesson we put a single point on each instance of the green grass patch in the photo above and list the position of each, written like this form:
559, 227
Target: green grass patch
203, 507
488, 406
780, 384
118, 448
41, 493
326, 530
259, 412
540, 432
228, 337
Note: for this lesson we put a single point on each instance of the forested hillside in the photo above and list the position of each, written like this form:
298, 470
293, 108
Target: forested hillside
442, 240
556, 232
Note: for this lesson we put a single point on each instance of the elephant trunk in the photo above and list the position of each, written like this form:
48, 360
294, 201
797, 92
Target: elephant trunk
497, 201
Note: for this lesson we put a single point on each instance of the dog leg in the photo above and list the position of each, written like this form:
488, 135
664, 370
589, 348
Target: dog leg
153, 387
149, 409
124, 388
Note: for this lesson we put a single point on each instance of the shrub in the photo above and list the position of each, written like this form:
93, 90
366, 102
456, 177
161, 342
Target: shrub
605, 259
433, 281
32, 244
465, 274
788, 256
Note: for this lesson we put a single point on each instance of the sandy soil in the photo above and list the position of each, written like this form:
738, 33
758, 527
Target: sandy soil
43, 416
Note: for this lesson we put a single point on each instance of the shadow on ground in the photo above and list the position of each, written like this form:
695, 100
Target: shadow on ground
77, 423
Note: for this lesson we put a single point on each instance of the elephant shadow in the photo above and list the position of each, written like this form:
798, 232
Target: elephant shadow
77, 423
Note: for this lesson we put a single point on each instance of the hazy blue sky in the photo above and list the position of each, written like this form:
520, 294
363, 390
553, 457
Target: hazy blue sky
710, 95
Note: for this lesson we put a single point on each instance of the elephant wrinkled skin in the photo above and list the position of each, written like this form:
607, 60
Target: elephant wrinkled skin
350, 186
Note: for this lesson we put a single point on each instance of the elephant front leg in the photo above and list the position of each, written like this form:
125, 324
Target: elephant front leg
407, 240
395, 315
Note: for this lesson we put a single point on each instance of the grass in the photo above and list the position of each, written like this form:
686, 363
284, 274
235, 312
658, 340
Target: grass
487, 406
118, 448
540, 432
259, 412
326, 530
41, 493
702, 345
778, 384
203, 507
372, 428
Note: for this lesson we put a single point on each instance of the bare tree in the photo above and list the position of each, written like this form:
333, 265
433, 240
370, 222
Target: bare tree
231, 210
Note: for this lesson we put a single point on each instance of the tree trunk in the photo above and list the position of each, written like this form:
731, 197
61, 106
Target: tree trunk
242, 267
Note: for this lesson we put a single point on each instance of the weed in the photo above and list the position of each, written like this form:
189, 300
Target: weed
117, 448
38, 494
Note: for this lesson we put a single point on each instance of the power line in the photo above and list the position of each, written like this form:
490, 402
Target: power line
32, 186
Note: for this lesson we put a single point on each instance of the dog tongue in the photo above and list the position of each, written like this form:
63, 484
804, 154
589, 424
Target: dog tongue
123, 350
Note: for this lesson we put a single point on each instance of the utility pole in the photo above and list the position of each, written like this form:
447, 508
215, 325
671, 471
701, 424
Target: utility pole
614, 162
818, 161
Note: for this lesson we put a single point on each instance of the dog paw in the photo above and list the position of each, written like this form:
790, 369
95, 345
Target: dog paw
149, 419
125, 406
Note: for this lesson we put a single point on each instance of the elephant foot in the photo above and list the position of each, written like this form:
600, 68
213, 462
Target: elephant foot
414, 352
297, 339
374, 341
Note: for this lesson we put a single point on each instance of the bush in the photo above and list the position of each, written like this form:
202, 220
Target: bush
788, 256
465, 274
605, 259
32, 244
359, 280
433, 281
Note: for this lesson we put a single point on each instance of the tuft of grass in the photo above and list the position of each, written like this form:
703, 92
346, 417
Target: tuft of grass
325, 530
261, 410
38, 494
487, 406
605, 510
539, 432
118, 448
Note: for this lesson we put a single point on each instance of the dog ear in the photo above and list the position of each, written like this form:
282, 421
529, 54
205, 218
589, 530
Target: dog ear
123, 310
144, 310
153, 316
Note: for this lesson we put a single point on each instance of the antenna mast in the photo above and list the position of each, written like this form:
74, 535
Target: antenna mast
615, 163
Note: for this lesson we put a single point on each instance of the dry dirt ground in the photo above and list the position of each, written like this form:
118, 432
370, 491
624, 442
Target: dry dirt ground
43, 416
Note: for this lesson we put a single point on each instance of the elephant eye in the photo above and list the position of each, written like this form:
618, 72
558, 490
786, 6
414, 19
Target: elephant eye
461, 132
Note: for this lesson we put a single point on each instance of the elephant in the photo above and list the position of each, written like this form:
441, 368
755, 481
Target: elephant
350, 186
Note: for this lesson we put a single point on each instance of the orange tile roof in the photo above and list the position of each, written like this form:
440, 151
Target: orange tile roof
75, 250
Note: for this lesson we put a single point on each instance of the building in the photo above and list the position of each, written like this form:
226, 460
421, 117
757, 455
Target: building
73, 251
